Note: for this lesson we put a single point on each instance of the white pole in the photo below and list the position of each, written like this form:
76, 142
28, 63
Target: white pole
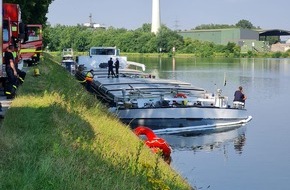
155, 25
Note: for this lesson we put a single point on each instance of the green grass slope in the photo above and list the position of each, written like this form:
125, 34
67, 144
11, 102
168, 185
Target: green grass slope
58, 136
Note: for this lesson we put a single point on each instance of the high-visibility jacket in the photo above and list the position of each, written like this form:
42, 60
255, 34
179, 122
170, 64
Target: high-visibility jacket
89, 76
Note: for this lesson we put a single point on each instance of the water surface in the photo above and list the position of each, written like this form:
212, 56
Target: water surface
256, 156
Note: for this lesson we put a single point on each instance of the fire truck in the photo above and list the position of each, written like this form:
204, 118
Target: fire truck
31, 48
26, 39
13, 28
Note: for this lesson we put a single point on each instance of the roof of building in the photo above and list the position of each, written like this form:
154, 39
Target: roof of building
274, 32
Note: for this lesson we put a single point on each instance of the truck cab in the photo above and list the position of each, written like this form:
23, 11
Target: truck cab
31, 47
13, 32
13, 28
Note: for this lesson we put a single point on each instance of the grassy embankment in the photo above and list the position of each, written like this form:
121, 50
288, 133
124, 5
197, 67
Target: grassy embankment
57, 136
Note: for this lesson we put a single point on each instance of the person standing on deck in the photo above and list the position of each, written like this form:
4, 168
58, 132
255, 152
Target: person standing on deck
110, 68
117, 65
239, 95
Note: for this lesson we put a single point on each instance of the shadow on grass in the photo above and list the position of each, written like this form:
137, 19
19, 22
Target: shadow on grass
48, 147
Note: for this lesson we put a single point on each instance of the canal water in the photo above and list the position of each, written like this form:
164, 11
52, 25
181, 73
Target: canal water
252, 157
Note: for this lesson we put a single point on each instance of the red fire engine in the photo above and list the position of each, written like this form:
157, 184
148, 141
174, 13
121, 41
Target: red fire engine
31, 48
27, 39
13, 28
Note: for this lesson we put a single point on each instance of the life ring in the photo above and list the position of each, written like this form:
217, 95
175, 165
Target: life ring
155, 143
180, 95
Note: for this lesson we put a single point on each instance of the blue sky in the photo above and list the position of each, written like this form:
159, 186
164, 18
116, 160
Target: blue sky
175, 14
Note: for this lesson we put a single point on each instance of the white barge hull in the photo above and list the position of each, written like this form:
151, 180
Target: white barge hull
193, 120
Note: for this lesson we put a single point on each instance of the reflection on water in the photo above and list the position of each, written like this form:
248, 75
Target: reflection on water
208, 142
239, 143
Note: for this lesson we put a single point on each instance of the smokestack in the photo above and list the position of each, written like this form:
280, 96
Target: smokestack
155, 25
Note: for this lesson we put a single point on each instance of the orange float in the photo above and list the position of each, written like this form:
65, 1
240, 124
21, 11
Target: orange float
155, 143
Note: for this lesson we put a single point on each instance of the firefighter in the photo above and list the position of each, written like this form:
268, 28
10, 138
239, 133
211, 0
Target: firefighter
11, 72
110, 68
117, 65
89, 80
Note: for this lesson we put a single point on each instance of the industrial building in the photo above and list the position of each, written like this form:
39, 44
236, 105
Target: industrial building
248, 39
221, 36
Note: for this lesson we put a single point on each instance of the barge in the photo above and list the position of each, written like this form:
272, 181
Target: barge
166, 106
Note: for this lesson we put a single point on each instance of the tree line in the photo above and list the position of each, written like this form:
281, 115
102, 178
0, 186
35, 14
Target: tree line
141, 40
240, 24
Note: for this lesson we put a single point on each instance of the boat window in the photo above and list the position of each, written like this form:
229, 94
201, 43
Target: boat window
103, 52
5, 31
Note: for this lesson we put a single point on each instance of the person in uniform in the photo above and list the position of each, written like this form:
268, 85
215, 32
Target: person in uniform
117, 65
11, 72
89, 80
110, 68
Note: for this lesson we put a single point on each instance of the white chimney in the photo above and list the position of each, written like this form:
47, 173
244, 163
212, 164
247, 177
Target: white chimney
155, 25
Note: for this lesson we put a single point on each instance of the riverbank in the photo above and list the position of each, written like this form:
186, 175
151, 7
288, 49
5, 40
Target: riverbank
249, 54
57, 136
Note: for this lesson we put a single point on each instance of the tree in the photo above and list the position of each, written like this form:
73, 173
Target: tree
145, 28
167, 39
245, 24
